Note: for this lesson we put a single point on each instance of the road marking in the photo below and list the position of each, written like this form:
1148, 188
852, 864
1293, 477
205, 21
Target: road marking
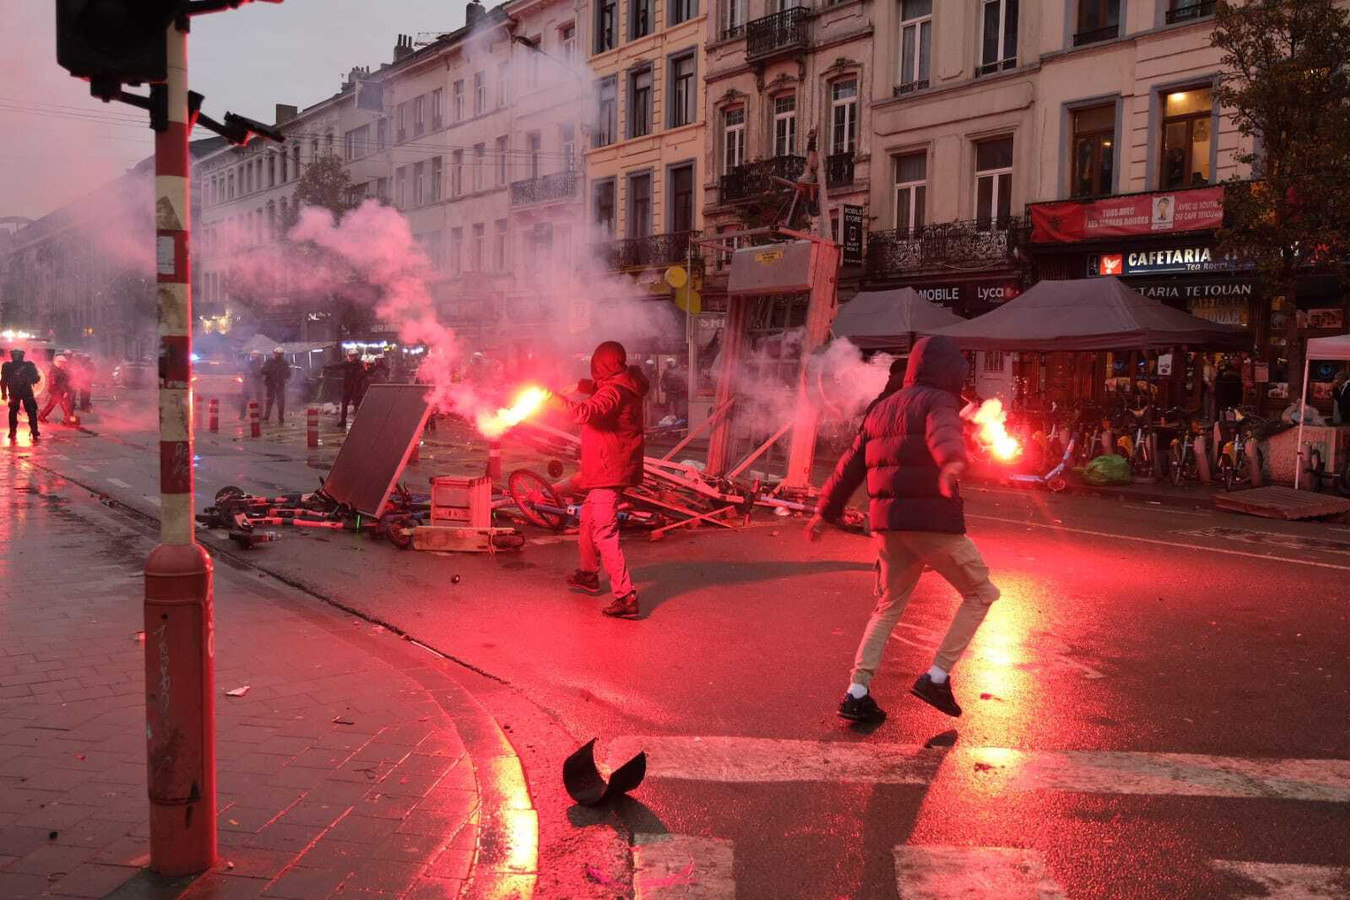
1175, 545
1060, 652
1280, 881
153, 501
989, 769
973, 873
1274, 538
667, 866
118, 482
87, 468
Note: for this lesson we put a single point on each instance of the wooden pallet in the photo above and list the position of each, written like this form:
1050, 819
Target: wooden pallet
466, 540
1282, 503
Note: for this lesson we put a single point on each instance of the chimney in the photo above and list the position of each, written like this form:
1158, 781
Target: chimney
404, 47
285, 112
473, 13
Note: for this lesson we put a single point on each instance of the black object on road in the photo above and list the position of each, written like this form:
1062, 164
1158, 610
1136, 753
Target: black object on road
588, 787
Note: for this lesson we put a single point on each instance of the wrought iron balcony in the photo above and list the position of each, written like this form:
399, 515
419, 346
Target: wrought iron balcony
782, 32
756, 179
1191, 12
993, 68
839, 170
558, 186
966, 245
1096, 35
910, 87
653, 250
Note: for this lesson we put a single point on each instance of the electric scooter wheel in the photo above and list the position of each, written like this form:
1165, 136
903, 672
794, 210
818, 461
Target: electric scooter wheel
229, 492
1316, 472
1056, 484
524, 485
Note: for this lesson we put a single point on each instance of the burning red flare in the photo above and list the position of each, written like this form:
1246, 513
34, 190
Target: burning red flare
990, 419
528, 402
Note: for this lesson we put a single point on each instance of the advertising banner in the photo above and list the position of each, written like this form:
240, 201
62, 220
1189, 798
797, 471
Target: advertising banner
1200, 209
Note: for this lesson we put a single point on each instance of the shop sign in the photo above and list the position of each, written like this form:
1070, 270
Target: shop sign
1237, 292
987, 293
1200, 209
1170, 261
1331, 317
853, 235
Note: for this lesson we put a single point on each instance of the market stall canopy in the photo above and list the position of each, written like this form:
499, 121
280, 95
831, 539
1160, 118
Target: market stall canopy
259, 343
1337, 347
890, 320
1090, 314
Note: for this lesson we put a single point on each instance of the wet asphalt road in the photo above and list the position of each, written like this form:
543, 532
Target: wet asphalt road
1127, 632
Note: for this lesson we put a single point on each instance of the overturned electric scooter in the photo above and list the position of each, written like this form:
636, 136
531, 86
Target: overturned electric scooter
1053, 480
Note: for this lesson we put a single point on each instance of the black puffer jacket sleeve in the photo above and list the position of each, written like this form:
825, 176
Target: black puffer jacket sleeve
848, 474
946, 440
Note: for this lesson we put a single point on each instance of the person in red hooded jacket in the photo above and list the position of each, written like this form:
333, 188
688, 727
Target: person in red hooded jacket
612, 451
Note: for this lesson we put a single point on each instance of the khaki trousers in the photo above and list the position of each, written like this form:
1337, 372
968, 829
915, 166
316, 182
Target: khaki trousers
901, 558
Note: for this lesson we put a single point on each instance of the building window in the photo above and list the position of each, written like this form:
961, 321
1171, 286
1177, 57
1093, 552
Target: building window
477, 252
272, 160
640, 102
503, 173
419, 184
532, 61
682, 198
456, 251
682, 10
296, 160
993, 183
1098, 20
400, 125
785, 125
534, 143
457, 173
844, 116
503, 84
640, 205
479, 93
401, 187
683, 92
419, 116
1186, 138
998, 49
911, 191
356, 143
733, 19
568, 35
602, 207
606, 17
437, 173
733, 138
567, 138
607, 112
479, 164
916, 41
437, 108
1189, 10
381, 140
457, 101
1094, 139
382, 189
639, 19
499, 248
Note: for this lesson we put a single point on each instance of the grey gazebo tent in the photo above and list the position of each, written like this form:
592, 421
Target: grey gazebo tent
1090, 314
890, 320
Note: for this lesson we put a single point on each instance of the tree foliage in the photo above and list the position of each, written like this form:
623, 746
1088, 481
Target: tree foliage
324, 183
1286, 84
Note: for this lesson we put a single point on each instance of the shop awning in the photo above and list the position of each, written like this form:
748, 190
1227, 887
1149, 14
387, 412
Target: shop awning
1337, 347
1090, 314
889, 320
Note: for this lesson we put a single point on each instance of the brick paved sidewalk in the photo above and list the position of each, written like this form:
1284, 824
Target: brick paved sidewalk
355, 765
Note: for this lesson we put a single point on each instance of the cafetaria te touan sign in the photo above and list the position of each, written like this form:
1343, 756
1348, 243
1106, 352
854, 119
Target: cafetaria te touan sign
1072, 221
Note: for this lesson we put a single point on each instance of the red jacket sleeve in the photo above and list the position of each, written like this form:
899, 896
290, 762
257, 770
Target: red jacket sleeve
597, 406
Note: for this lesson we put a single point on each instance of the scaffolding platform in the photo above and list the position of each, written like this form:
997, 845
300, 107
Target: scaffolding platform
1283, 503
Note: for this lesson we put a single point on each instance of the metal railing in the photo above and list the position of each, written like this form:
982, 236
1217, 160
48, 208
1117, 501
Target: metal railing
1191, 12
778, 33
968, 244
756, 179
910, 87
1096, 35
1001, 65
839, 170
653, 250
558, 186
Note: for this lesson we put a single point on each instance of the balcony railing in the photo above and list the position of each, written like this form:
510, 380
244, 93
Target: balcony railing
1096, 35
970, 244
781, 32
839, 170
992, 68
558, 186
1191, 12
910, 87
652, 250
756, 179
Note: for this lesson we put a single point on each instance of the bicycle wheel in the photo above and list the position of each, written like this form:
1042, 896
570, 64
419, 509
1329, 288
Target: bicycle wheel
1227, 471
526, 488
1176, 466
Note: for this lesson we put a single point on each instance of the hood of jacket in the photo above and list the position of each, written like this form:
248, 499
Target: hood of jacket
16, 356
937, 363
630, 378
610, 358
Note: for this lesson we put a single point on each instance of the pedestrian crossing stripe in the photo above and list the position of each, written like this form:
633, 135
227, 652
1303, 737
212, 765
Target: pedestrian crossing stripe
668, 866
946, 873
995, 769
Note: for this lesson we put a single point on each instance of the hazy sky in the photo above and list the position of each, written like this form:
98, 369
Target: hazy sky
57, 142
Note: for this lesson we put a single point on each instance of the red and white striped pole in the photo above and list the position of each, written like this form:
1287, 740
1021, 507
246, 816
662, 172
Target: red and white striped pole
254, 425
213, 416
312, 427
494, 462
179, 669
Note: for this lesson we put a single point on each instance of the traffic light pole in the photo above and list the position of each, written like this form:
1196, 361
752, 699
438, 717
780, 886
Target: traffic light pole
179, 663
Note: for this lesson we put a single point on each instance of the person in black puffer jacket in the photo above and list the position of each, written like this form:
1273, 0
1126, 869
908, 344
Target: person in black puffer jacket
911, 451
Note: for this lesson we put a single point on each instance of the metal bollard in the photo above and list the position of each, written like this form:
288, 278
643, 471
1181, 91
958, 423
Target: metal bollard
312, 427
254, 426
213, 421
494, 463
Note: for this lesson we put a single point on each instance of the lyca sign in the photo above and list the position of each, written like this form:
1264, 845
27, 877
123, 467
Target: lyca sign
956, 294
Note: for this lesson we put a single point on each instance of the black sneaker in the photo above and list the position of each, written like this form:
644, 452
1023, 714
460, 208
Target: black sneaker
938, 696
861, 709
582, 580
625, 607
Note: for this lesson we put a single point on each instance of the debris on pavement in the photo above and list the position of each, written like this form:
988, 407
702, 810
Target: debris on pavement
586, 785
238, 692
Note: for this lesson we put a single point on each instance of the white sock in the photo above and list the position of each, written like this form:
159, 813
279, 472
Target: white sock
857, 691
936, 675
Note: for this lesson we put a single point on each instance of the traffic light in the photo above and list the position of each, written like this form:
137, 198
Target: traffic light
114, 41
